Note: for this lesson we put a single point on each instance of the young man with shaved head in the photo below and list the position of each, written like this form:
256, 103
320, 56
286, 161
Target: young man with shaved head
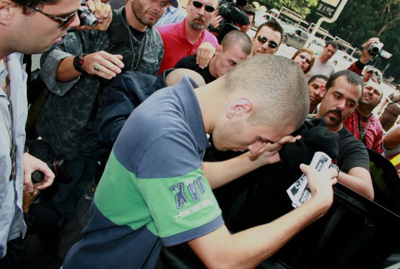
235, 47
157, 190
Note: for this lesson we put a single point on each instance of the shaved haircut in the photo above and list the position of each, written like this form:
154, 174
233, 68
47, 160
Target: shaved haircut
277, 87
237, 38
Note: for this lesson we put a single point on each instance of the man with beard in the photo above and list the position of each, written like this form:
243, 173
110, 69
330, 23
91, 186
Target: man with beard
74, 69
343, 92
182, 39
362, 123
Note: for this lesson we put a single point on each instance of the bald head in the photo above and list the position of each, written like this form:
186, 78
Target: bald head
175, 76
277, 87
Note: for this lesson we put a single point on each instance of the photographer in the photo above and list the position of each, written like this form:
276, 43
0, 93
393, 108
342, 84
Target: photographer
76, 71
366, 56
232, 16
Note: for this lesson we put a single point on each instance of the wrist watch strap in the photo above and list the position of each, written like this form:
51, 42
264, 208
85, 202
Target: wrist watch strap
78, 62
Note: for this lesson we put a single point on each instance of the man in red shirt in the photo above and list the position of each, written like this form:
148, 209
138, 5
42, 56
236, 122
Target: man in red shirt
362, 123
183, 38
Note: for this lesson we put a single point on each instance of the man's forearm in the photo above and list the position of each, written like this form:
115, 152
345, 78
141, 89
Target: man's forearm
359, 180
248, 248
66, 71
221, 173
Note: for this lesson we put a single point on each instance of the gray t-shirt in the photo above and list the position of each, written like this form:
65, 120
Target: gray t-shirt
319, 68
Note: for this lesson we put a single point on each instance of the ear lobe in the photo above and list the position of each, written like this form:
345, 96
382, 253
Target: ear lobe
239, 107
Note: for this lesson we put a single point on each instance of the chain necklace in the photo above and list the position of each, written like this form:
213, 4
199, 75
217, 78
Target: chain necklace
141, 48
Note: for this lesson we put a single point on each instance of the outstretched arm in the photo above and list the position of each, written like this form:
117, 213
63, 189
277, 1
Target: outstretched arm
248, 248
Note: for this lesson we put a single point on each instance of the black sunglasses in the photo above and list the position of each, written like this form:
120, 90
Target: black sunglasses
61, 20
263, 40
207, 8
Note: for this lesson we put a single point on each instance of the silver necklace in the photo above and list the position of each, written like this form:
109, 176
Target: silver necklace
141, 48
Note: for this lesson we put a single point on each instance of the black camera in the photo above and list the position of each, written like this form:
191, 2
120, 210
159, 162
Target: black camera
58, 168
87, 17
230, 14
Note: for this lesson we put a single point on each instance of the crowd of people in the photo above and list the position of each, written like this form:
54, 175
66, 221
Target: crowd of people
148, 118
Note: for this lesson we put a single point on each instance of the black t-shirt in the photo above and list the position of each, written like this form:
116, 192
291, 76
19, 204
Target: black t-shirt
352, 153
189, 62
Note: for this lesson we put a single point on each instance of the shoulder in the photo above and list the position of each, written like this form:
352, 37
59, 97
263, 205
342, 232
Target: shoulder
210, 38
188, 62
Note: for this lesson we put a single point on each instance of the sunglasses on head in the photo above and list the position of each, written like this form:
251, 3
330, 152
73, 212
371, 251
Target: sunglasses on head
263, 40
63, 21
207, 8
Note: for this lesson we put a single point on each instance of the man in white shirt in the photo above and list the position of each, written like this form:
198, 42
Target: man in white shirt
322, 65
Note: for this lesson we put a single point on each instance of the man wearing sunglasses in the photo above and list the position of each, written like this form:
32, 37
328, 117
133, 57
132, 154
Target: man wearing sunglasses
182, 39
76, 71
26, 26
268, 38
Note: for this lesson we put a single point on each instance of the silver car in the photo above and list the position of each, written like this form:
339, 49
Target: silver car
295, 37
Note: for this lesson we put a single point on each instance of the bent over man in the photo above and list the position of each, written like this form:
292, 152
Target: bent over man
156, 189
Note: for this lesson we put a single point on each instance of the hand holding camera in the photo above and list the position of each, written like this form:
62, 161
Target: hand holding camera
95, 16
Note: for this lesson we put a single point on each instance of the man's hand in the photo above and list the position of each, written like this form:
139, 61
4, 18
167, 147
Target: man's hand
204, 54
269, 154
365, 56
216, 21
32, 164
103, 13
321, 183
103, 64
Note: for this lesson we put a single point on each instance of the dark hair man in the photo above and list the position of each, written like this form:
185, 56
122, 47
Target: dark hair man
235, 47
183, 38
25, 27
322, 65
316, 91
362, 123
156, 189
251, 13
268, 38
343, 92
73, 70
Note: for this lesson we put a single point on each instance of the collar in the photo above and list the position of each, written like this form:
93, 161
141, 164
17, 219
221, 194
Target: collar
185, 92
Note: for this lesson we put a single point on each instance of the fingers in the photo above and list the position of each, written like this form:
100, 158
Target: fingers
103, 13
103, 64
32, 164
216, 21
204, 54
48, 179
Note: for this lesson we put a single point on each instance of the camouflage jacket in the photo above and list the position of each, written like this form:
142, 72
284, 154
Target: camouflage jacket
72, 113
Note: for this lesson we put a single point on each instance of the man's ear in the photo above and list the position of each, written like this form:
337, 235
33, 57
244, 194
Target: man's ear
239, 107
6, 11
218, 50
